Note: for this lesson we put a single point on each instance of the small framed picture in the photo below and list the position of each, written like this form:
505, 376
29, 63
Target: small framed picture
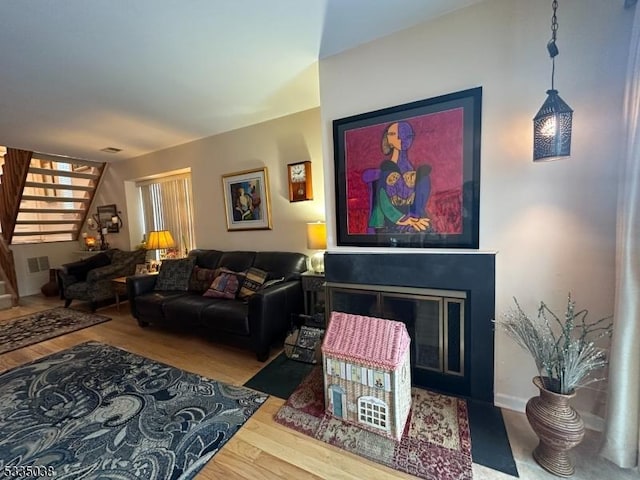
152, 266
141, 269
246, 200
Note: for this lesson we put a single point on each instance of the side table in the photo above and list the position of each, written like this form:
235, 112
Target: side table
313, 287
120, 287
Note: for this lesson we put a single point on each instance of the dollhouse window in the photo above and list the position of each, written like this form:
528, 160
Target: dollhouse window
379, 379
373, 412
336, 368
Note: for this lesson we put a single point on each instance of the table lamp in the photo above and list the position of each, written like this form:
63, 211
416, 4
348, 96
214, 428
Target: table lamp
317, 240
160, 240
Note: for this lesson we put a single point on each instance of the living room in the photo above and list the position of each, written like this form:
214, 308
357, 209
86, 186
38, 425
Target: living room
551, 225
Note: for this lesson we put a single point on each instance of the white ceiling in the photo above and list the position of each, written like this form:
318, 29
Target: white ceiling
77, 76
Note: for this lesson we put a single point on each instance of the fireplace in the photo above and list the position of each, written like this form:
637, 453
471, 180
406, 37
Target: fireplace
447, 302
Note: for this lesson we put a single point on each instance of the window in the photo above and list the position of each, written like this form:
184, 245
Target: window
167, 204
373, 411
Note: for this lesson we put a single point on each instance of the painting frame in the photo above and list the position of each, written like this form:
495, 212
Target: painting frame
386, 198
247, 202
105, 214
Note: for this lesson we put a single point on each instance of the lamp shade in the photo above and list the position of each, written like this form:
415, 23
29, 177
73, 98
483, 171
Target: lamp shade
316, 236
159, 239
552, 129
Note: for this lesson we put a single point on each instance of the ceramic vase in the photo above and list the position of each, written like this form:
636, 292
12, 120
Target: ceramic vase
558, 426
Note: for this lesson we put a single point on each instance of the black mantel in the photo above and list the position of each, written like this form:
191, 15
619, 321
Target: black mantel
473, 273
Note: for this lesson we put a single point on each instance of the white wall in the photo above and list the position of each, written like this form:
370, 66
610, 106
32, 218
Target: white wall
58, 253
552, 224
273, 144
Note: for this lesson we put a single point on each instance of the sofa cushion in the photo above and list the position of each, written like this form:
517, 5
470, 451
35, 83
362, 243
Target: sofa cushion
206, 258
175, 274
187, 308
252, 282
278, 264
151, 305
81, 268
238, 261
201, 278
229, 316
225, 285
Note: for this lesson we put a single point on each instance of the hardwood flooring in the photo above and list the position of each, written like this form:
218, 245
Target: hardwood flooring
262, 449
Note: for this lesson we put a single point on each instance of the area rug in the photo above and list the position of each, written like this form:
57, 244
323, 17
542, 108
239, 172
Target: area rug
436, 443
95, 411
489, 440
280, 377
36, 327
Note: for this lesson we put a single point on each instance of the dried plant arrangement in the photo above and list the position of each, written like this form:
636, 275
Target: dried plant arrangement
564, 351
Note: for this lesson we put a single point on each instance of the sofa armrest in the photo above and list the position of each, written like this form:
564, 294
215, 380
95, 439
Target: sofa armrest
270, 313
66, 278
66, 273
138, 285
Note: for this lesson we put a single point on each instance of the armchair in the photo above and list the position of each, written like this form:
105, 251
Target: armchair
90, 280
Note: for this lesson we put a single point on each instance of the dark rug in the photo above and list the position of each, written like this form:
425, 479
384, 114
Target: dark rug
489, 441
98, 412
435, 445
36, 327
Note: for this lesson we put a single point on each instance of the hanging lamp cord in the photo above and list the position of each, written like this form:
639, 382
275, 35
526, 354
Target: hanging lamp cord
551, 46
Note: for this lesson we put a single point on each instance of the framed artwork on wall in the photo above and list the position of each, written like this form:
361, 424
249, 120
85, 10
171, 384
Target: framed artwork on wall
409, 175
246, 200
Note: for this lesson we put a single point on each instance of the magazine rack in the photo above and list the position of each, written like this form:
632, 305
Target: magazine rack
303, 344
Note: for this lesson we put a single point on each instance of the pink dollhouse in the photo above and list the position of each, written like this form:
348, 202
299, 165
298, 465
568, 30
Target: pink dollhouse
367, 379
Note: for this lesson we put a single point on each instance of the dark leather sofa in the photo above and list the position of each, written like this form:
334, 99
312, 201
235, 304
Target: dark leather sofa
255, 323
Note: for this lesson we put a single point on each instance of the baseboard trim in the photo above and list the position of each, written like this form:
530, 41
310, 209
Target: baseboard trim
591, 421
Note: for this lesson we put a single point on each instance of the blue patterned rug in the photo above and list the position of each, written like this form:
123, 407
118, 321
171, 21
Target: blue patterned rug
97, 412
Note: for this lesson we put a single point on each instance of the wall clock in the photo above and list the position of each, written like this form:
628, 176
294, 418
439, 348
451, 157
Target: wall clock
300, 184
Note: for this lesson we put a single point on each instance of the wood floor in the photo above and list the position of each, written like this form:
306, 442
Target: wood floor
262, 449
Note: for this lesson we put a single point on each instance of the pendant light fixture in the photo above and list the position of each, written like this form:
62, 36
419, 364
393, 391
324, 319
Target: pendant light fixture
552, 123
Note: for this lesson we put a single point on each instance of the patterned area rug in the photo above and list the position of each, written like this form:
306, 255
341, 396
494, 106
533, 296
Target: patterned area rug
97, 412
37, 327
436, 444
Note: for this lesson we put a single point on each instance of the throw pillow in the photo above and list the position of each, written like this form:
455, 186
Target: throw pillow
175, 274
252, 283
273, 281
201, 278
225, 285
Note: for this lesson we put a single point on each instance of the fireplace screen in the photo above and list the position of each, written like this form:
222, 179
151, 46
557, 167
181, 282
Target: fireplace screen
435, 320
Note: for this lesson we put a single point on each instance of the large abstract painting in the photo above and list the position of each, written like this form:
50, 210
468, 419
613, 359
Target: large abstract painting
409, 176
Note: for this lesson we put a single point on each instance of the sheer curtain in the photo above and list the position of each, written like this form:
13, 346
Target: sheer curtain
167, 204
622, 431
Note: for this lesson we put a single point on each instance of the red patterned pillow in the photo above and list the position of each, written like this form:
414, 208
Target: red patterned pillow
201, 278
225, 285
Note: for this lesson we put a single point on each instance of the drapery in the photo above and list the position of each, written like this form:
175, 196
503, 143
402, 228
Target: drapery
622, 430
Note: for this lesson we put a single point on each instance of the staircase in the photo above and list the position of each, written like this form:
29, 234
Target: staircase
43, 198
